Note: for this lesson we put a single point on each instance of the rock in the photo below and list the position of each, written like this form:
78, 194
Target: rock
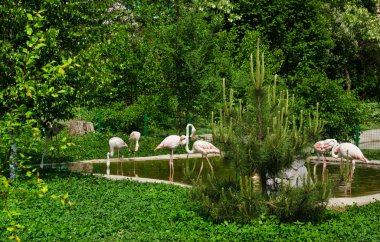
77, 127
205, 137
294, 176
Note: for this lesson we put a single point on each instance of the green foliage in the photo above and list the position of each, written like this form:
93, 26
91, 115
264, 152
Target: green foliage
122, 211
355, 30
230, 201
341, 110
306, 203
372, 119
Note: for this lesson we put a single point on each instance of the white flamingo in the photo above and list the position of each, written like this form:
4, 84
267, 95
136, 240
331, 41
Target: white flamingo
351, 153
172, 142
134, 137
115, 143
200, 146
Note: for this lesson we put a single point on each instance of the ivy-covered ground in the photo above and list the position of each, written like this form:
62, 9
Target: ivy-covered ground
106, 210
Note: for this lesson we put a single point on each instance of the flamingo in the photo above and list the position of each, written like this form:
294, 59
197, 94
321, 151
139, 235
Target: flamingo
118, 143
324, 145
200, 146
350, 152
134, 137
172, 142
321, 147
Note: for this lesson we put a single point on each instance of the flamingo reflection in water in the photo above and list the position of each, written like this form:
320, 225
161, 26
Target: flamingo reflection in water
350, 152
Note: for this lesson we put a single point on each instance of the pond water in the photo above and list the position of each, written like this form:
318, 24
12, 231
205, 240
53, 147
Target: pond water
365, 179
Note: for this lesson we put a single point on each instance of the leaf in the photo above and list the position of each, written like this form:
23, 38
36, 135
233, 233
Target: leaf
39, 46
54, 95
30, 17
61, 71
29, 30
44, 189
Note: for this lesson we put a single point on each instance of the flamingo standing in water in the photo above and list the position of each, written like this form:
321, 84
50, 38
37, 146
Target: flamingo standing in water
118, 143
323, 146
351, 153
348, 151
172, 142
134, 137
200, 146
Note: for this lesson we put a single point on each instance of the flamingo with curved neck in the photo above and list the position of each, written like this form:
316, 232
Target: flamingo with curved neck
200, 146
348, 151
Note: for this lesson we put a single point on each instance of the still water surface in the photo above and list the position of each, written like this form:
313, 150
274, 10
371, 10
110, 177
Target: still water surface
365, 179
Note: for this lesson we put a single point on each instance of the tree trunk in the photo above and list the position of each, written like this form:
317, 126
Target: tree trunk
13, 158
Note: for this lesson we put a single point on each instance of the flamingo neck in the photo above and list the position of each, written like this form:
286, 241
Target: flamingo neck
188, 138
333, 150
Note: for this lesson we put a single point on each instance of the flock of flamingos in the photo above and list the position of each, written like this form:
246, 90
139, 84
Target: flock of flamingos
348, 151
171, 142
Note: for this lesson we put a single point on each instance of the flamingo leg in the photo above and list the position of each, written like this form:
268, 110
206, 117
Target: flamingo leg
200, 170
171, 167
209, 163
134, 163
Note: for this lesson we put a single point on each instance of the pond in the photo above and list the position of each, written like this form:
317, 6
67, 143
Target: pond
365, 179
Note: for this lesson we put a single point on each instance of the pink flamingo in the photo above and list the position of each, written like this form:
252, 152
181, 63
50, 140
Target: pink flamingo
134, 137
200, 146
321, 147
172, 142
350, 152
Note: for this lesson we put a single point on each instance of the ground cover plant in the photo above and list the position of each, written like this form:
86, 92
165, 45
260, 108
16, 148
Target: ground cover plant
106, 210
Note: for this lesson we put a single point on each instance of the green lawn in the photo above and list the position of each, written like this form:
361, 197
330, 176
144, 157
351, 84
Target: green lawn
106, 210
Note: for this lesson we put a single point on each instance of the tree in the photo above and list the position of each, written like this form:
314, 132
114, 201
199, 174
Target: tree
355, 29
34, 94
263, 135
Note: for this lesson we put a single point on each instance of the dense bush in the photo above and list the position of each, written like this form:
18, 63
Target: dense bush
340, 109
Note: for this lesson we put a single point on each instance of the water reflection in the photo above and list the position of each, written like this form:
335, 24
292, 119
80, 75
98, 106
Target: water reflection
347, 182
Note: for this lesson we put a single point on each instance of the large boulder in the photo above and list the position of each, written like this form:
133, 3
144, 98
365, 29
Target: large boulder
294, 176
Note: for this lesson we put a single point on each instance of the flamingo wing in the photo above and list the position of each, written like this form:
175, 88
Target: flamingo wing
351, 151
318, 146
205, 147
134, 136
117, 142
170, 142
328, 144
